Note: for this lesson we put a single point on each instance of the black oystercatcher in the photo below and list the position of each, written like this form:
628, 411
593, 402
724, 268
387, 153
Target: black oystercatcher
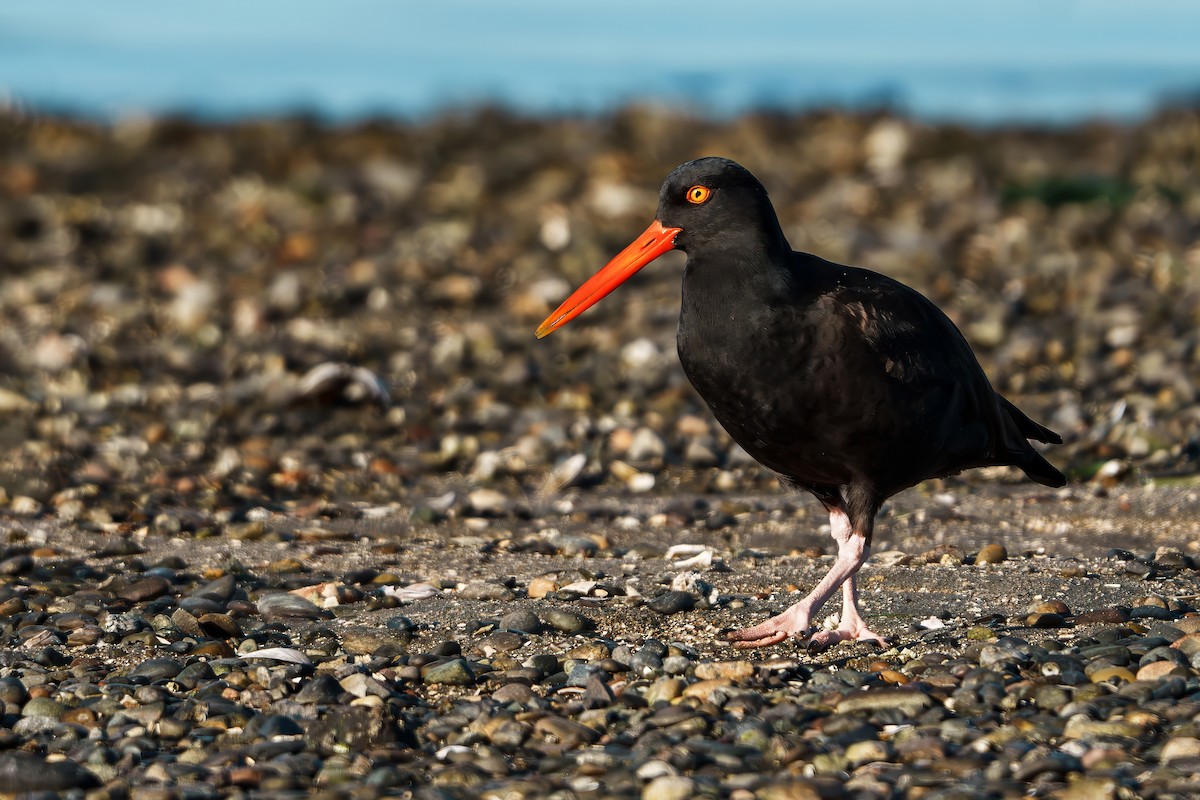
843, 381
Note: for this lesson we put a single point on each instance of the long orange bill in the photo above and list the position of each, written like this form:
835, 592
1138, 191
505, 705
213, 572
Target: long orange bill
647, 247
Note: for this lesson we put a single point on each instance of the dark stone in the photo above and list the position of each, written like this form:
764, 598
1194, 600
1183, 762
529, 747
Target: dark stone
22, 772
354, 728
672, 602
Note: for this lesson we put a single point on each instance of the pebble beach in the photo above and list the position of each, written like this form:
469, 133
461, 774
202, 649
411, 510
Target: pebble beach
293, 504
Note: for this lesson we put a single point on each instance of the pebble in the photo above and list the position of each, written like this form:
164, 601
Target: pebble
1178, 748
903, 700
456, 672
730, 670
485, 590
145, 589
540, 587
992, 554
22, 773
669, 787
284, 606
672, 602
566, 621
522, 620
567, 733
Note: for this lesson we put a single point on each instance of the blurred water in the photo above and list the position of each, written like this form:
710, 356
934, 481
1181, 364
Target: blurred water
1042, 60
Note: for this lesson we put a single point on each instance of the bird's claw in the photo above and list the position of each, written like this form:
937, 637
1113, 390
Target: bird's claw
775, 630
823, 640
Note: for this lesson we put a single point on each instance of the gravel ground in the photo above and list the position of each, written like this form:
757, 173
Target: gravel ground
293, 504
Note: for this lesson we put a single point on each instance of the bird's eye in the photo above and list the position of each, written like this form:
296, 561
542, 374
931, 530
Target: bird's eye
698, 194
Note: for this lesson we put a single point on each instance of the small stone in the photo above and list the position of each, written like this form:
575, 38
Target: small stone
568, 733
487, 503
352, 729
43, 707
1045, 621
708, 690
672, 602
145, 589
522, 620
791, 789
992, 554
669, 787
734, 671
1157, 670
540, 587
16, 565
1179, 747
665, 689
676, 665
187, 622
501, 642
220, 626
1089, 788
456, 672
1052, 607
576, 546
1112, 674
361, 685
321, 690
646, 447
157, 669
1188, 644
284, 606
1103, 616
1080, 727
565, 621
361, 640
946, 554
905, 701
220, 590
513, 693
485, 590
24, 773
592, 650
868, 751
597, 693
12, 690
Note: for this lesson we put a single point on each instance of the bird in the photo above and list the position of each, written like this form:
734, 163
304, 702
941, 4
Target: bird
844, 382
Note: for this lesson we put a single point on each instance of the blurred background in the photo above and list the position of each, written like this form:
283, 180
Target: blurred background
1056, 61
268, 254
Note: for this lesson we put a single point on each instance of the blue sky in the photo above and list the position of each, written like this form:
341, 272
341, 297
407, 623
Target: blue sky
1039, 59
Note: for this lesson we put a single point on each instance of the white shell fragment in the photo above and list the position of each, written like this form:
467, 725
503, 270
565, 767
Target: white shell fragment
563, 475
700, 555
412, 592
289, 654
357, 384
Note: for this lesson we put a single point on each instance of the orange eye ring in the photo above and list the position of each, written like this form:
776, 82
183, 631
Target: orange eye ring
698, 194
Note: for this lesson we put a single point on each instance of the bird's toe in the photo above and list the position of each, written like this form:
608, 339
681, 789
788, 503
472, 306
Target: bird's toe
773, 631
762, 641
823, 640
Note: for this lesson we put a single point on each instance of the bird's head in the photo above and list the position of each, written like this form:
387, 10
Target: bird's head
706, 203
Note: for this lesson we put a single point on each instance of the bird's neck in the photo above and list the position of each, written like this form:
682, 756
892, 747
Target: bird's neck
757, 271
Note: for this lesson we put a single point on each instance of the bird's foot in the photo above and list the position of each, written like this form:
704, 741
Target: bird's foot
791, 623
856, 632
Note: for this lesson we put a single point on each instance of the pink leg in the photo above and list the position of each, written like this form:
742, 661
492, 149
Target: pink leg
796, 621
851, 626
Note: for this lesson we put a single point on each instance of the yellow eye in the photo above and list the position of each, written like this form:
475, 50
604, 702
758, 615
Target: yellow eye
698, 194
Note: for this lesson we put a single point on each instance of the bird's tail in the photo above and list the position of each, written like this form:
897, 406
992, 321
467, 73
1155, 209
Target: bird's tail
1028, 428
1041, 470
1029, 460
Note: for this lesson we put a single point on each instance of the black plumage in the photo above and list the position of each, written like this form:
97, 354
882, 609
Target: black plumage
846, 383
